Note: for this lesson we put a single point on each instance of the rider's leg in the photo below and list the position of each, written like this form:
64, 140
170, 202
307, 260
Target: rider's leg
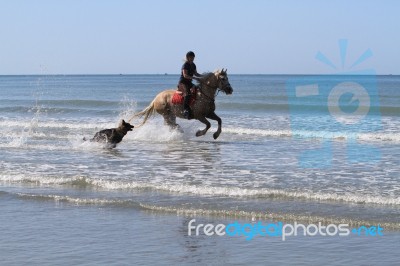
186, 106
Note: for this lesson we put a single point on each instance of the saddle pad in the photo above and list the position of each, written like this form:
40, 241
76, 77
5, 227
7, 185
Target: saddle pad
177, 98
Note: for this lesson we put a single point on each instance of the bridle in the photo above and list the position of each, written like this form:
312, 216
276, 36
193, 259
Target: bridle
210, 98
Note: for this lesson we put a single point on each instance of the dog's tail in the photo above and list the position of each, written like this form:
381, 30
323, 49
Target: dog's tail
147, 112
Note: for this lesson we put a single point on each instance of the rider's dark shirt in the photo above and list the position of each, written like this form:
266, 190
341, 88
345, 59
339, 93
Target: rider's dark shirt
190, 70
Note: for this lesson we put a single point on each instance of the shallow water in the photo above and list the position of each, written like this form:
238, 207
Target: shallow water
254, 171
47, 232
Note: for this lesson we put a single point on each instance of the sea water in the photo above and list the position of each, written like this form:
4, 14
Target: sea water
67, 201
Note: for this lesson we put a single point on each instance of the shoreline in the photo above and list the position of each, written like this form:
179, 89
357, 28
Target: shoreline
57, 233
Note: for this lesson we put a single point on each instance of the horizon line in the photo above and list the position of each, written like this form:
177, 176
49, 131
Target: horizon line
177, 74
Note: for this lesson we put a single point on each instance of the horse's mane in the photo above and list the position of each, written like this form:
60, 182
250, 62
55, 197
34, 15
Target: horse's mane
207, 74
205, 77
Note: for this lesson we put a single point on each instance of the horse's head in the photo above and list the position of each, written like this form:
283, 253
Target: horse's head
223, 82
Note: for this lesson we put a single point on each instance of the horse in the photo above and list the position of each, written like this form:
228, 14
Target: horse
204, 106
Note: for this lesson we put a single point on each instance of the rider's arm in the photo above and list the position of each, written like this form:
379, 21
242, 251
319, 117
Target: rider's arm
197, 74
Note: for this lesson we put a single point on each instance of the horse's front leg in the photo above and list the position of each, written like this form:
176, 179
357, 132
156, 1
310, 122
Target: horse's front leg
204, 131
213, 116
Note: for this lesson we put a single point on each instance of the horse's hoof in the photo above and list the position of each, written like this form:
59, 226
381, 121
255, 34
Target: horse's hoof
177, 128
216, 134
199, 133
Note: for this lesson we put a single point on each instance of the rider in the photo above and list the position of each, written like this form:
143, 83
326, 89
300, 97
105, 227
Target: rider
188, 73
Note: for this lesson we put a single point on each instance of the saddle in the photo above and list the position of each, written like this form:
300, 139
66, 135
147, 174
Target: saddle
178, 97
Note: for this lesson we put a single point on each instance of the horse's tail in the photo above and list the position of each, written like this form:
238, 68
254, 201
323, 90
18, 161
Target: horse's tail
147, 112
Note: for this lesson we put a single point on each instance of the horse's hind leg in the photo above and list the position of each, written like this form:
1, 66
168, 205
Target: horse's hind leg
213, 116
170, 120
204, 131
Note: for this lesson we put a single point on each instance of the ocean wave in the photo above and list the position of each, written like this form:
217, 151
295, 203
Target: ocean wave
52, 129
69, 134
200, 190
194, 212
258, 132
306, 108
55, 124
268, 104
79, 201
377, 136
257, 215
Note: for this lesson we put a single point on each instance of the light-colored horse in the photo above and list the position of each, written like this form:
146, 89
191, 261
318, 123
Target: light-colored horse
203, 107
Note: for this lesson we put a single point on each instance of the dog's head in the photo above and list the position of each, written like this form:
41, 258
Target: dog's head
124, 126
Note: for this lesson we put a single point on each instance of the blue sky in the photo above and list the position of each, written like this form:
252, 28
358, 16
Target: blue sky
143, 37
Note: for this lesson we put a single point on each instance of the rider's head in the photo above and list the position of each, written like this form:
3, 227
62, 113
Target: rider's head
190, 55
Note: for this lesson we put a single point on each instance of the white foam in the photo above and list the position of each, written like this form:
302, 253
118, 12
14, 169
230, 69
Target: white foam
56, 124
156, 131
376, 136
74, 200
243, 192
253, 215
78, 143
383, 136
206, 190
257, 215
276, 193
258, 132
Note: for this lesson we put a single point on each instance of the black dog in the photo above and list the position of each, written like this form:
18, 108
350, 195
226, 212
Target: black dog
112, 136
